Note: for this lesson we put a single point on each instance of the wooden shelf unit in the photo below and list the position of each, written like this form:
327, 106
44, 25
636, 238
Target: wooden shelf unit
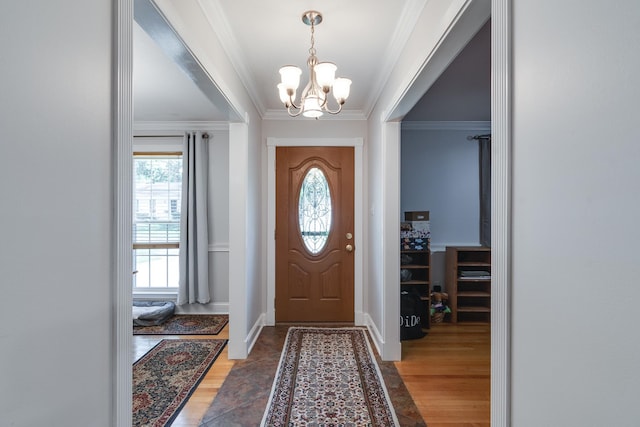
419, 268
468, 280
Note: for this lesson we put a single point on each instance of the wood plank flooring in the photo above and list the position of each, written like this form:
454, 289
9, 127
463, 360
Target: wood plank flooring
447, 373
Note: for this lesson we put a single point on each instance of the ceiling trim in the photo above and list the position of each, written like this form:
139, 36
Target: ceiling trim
178, 126
442, 125
213, 13
281, 114
404, 28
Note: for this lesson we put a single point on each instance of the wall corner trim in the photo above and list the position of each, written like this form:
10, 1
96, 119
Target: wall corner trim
448, 125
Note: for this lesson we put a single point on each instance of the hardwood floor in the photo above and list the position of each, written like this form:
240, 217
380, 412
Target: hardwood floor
447, 373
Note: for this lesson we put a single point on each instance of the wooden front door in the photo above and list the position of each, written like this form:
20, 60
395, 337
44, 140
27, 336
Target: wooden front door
314, 234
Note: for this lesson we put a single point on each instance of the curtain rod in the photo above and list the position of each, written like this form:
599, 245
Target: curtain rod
477, 137
204, 135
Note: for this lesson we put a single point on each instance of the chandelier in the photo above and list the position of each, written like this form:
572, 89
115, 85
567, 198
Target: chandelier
322, 80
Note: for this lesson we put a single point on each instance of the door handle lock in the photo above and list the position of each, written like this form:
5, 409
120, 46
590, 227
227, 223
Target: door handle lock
349, 248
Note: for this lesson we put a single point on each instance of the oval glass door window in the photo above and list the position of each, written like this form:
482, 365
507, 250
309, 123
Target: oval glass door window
314, 210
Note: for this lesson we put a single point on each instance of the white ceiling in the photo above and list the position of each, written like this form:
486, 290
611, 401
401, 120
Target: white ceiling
361, 37
161, 90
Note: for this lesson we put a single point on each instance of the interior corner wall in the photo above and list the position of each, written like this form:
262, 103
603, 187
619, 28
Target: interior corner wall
375, 269
256, 257
218, 207
57, 322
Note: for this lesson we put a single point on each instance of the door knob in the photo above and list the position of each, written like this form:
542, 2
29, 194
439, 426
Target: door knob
349, 248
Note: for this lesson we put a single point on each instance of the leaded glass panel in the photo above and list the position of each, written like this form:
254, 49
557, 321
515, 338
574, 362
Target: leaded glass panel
314, 210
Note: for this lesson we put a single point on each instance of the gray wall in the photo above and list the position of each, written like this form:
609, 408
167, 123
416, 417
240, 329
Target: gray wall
575, 209
439, 174
56, 203
219, 218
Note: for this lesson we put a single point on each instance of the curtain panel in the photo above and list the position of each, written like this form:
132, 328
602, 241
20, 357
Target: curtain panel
485, 191
193, 285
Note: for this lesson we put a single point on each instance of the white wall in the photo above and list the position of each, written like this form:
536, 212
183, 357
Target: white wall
576, 176
56, 320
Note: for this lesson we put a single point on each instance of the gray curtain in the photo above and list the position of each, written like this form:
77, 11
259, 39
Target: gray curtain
193, 285
485, 190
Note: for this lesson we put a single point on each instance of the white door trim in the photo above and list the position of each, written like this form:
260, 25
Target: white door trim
501, 215
357, 144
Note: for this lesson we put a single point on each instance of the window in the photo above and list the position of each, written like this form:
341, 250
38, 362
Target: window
156, 221
314, 210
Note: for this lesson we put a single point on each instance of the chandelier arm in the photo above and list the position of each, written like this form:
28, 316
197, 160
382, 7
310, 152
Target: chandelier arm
293, 114
295, 107
326, 108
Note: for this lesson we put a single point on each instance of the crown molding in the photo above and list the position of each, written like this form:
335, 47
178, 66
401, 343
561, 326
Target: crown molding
214, 13
178, 126
401, 34
447, 125
281, 114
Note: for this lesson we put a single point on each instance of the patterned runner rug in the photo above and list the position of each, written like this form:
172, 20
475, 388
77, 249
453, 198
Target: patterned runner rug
165, 378
186, 324
328, 377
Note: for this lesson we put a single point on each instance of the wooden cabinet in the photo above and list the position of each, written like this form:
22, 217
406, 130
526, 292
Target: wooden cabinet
468, 280
415, 276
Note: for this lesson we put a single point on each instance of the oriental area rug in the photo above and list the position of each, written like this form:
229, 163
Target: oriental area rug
328, 377
165, 378
186, 324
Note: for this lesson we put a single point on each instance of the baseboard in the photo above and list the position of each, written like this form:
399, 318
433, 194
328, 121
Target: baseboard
211, 308
254, 333
375, 334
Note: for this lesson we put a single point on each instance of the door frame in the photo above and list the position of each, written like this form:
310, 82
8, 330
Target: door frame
358, 226
501, 222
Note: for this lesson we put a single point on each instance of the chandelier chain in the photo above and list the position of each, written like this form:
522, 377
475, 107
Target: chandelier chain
312, 49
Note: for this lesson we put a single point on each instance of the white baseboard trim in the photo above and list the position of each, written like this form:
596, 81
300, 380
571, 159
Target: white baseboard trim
155, 296
211, 308
376, 336
219, 247
359, 318
254, 333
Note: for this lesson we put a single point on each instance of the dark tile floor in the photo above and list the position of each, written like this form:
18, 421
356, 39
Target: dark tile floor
243, 397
